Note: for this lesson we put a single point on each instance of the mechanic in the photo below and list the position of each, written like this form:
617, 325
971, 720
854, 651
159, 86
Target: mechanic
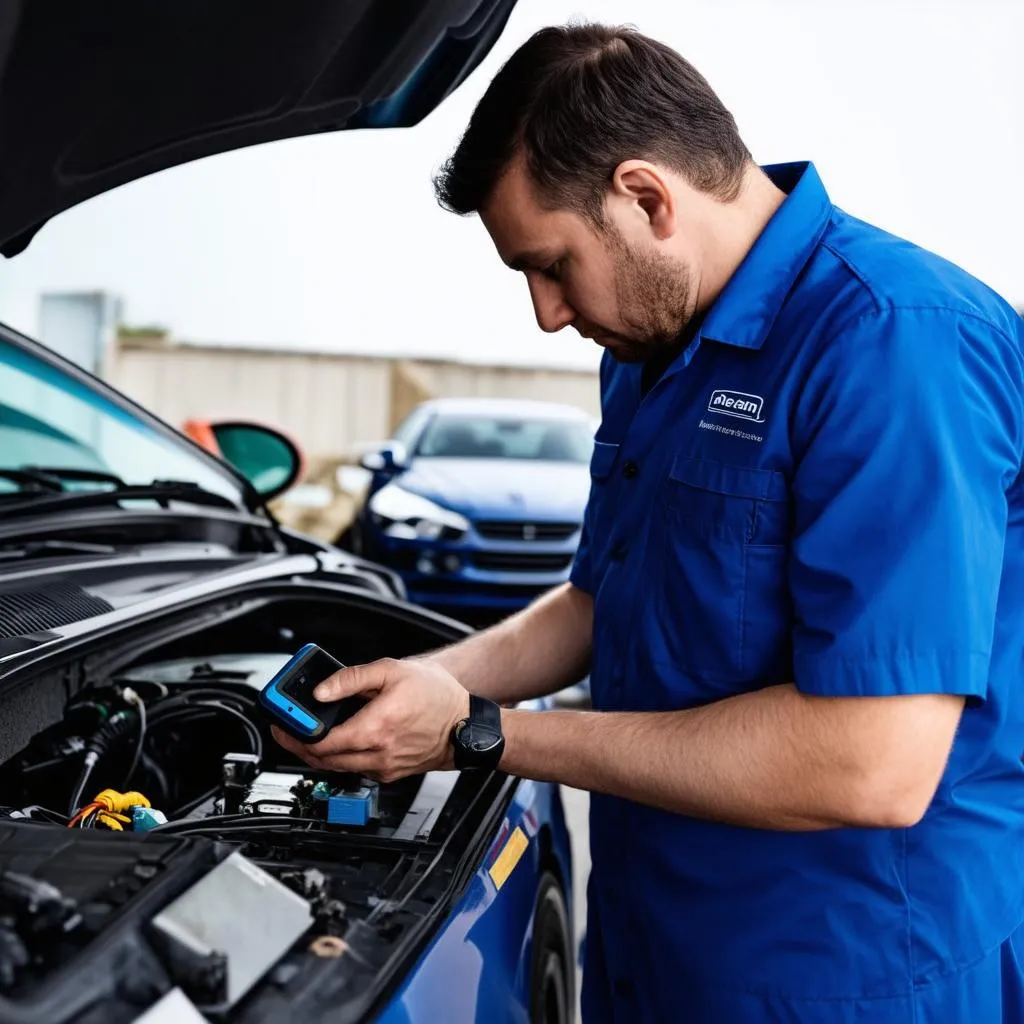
800, 586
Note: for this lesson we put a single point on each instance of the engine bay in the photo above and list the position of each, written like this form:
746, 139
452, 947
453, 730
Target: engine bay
159, 775
182, 741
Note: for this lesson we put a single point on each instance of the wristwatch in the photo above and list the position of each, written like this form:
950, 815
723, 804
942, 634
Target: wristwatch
478, 741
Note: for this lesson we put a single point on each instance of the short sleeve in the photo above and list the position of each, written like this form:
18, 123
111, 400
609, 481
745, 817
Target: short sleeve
907, 438
580, 576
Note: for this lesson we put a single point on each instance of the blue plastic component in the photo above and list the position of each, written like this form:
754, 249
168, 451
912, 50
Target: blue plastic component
145, 818
355, 808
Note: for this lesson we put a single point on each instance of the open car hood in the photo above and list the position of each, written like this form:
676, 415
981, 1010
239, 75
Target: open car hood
96, 95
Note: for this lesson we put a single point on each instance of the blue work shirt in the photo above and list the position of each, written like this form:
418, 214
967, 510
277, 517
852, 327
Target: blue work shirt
822, 489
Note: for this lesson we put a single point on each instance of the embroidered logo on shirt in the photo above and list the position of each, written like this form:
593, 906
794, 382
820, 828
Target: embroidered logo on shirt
738, 404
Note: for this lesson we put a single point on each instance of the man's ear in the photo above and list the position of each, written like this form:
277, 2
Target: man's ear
646, 188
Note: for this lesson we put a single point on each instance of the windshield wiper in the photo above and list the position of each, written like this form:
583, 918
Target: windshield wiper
53, 478
32, 480
73, 475
161, 491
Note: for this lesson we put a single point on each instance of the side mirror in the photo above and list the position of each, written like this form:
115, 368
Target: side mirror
270, 460
391, 458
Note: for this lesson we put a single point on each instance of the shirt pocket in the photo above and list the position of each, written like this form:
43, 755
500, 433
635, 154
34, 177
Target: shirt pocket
722, 599
600, 505
603, 459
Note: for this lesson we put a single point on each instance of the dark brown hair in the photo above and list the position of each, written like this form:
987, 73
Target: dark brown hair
578, 100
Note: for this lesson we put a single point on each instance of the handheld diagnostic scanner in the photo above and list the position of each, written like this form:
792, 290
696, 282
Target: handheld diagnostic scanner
289, 702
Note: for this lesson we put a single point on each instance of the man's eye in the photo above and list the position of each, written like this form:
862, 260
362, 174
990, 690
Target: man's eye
554, 271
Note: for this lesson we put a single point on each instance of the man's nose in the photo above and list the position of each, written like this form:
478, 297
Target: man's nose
549, 305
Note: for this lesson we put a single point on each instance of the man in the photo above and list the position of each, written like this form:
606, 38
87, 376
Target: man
800, 587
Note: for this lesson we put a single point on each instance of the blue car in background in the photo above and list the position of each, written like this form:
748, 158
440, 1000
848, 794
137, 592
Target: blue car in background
147, 817
478, 503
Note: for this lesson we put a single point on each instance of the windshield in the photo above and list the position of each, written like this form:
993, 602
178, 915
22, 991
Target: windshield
49, 418
492, 437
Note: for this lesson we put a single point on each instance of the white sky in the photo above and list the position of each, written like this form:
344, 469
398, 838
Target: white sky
913, 111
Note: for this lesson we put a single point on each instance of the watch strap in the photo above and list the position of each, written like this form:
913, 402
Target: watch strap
485, 716
484, 711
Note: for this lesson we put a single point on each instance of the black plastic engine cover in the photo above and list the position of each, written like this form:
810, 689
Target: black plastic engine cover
117, 881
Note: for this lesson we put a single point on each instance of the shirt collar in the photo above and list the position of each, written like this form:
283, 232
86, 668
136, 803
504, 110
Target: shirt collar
744, 312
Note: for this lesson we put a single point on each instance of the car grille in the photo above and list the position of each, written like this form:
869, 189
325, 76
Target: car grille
500, 529
526, 561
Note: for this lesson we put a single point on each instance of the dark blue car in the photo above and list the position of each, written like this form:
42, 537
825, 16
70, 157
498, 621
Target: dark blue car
478, 503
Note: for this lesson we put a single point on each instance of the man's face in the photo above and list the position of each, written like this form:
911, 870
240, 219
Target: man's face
613, 284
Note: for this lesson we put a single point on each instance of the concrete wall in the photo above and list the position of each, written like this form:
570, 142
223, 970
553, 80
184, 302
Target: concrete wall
81, 326
329, 403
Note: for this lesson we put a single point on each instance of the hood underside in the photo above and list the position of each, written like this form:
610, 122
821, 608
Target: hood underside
95, 95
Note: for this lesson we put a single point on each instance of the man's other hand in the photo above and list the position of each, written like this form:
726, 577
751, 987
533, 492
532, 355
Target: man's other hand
404, 729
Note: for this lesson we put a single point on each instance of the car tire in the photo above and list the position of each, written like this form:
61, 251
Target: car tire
552, 974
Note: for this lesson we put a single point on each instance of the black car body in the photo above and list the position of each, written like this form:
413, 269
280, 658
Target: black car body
146, 590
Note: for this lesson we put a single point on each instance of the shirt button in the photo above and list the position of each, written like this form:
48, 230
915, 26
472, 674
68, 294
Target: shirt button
630, 470
623, 987
618, 552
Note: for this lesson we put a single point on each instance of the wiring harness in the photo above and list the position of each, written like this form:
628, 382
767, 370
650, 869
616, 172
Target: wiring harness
109, 808
134, 721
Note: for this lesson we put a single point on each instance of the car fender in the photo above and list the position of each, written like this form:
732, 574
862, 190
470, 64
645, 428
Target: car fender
477, 968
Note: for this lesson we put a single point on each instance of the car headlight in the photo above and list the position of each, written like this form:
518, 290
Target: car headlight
408, 516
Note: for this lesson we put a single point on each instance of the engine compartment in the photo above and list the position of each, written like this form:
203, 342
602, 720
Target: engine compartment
187, 735
158, 769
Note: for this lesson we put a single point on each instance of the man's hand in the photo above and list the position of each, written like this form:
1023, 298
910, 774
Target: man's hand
403, 730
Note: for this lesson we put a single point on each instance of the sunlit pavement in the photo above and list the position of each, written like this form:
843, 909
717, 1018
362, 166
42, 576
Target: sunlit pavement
577, 804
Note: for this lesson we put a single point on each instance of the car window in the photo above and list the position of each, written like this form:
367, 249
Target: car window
50, 418
410, 427
490, 437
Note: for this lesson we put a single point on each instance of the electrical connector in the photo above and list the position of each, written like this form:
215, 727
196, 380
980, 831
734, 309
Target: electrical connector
145, 818
353, 807
111, 808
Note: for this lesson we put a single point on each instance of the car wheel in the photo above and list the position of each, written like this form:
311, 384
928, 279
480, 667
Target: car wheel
552, 973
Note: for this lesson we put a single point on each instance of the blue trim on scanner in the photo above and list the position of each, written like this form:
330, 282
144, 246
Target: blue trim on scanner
283, 706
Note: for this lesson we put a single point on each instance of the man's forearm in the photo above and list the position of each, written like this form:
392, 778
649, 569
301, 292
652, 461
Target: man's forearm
769, 759
535, 652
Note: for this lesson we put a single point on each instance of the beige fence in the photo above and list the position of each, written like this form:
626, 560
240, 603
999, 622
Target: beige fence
331, 404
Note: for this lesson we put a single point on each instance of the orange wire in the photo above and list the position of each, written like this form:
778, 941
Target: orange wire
83, 812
